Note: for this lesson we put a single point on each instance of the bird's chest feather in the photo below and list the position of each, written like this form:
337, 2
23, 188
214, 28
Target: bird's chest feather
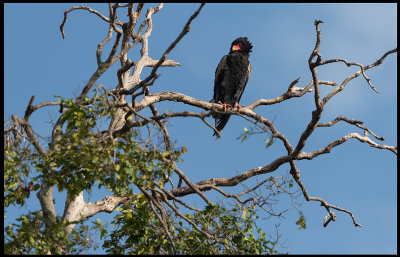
235, 72
237, 64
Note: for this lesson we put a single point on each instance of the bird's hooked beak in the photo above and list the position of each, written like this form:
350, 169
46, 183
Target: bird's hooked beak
235, 47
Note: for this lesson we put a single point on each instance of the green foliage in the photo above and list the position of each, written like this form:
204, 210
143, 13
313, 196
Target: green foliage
301, 222
29, 236
80, 159
17, 161
138, 231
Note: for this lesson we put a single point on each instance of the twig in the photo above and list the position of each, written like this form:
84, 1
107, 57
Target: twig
151, 200
84, 8
355, 75
353, 122
328, 148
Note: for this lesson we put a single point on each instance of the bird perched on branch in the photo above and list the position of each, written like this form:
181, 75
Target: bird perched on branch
231, 77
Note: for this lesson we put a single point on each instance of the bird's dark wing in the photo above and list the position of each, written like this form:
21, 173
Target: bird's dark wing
227, 90
243, 84
219, 74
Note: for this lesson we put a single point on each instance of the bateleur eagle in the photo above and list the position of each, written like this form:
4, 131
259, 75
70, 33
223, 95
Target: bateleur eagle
231, 77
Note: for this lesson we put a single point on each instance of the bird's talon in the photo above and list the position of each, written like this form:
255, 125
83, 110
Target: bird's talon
224, 105
239, 106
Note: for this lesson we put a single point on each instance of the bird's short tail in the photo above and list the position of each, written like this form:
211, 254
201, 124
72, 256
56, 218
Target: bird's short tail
221, 122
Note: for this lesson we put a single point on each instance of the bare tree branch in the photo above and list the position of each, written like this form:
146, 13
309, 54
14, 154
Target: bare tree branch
185, 30
355, 75
353, 122
82, 7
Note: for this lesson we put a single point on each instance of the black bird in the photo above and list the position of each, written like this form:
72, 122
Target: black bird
231, 77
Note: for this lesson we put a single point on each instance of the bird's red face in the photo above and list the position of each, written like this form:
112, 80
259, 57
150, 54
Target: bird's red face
236, 47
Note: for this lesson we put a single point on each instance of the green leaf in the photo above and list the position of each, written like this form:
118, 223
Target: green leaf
12, 185
301, 222
269, 143
244, 213
129, 215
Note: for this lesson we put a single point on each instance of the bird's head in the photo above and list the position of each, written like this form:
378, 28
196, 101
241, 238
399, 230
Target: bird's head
241, 44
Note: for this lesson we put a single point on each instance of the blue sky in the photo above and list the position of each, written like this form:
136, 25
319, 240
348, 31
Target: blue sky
353, 176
